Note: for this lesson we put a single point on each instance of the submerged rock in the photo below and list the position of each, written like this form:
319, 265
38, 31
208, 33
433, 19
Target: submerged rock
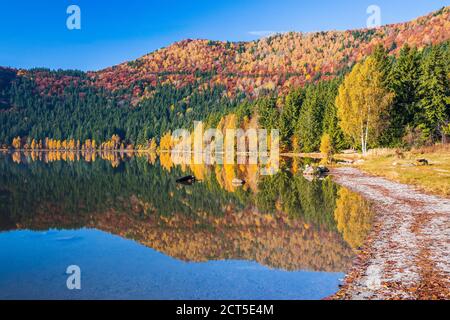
186, 180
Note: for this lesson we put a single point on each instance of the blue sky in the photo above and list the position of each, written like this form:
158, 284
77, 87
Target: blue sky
34, 33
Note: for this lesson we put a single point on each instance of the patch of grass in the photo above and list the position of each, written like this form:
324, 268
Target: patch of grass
434, 178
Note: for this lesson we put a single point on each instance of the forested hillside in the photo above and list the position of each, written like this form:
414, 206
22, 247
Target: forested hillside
290, 80
282, 61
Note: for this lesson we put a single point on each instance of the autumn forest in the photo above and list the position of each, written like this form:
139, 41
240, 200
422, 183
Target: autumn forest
307, 85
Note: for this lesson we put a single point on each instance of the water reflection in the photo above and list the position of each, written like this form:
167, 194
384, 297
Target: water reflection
281, 221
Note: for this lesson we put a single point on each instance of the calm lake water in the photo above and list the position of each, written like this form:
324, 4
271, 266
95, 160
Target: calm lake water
137, 234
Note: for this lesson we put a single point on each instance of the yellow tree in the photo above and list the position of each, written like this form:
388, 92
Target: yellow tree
87, 144
326, 148
152, 144
71, 144
361, 102
166, 142
353, 216
116, 141
16, 143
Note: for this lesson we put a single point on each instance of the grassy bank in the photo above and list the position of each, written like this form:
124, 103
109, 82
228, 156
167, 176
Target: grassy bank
432, 178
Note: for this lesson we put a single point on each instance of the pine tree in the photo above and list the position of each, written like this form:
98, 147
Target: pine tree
309, 128
404, 81
330, 119
290, 115
268, 113
383, 63
434, 95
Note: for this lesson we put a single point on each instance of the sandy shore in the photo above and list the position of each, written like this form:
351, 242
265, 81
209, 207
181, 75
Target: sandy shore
407, 254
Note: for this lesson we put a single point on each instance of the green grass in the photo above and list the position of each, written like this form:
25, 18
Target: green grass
434, 178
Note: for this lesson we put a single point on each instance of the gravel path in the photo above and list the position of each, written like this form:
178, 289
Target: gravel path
407, 254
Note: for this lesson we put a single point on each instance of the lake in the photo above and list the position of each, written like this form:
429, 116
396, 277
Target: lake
135, 233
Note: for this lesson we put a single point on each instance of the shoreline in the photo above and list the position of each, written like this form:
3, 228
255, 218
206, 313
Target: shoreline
429, 179
406, 255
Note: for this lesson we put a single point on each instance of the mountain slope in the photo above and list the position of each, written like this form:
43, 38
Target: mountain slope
281, 61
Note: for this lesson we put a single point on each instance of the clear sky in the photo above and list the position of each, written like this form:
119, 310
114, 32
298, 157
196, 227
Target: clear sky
34, 33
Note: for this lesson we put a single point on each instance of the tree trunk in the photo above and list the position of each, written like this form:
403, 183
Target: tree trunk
367, 132
362, 139
443, 135
362, 144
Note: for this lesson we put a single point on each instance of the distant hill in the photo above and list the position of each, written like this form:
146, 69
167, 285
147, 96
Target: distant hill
281, 61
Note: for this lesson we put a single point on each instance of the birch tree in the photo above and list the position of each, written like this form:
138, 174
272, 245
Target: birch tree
361, 102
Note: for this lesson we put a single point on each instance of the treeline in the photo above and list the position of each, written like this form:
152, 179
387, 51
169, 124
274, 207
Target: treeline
420, 112
113, 144
303, 116
385, 101
85, 112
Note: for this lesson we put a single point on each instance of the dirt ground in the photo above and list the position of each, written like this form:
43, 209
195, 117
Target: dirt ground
407, 254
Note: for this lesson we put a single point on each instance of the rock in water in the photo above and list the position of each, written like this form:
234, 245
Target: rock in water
315, 171
186, 180
238, 182
421, 162
322, 170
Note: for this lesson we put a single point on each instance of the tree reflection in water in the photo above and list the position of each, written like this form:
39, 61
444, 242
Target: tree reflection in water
282, 221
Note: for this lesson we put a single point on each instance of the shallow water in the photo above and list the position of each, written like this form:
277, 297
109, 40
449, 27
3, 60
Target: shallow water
136, 234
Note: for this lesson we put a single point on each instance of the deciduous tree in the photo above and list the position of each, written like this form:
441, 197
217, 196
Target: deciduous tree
361, 102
